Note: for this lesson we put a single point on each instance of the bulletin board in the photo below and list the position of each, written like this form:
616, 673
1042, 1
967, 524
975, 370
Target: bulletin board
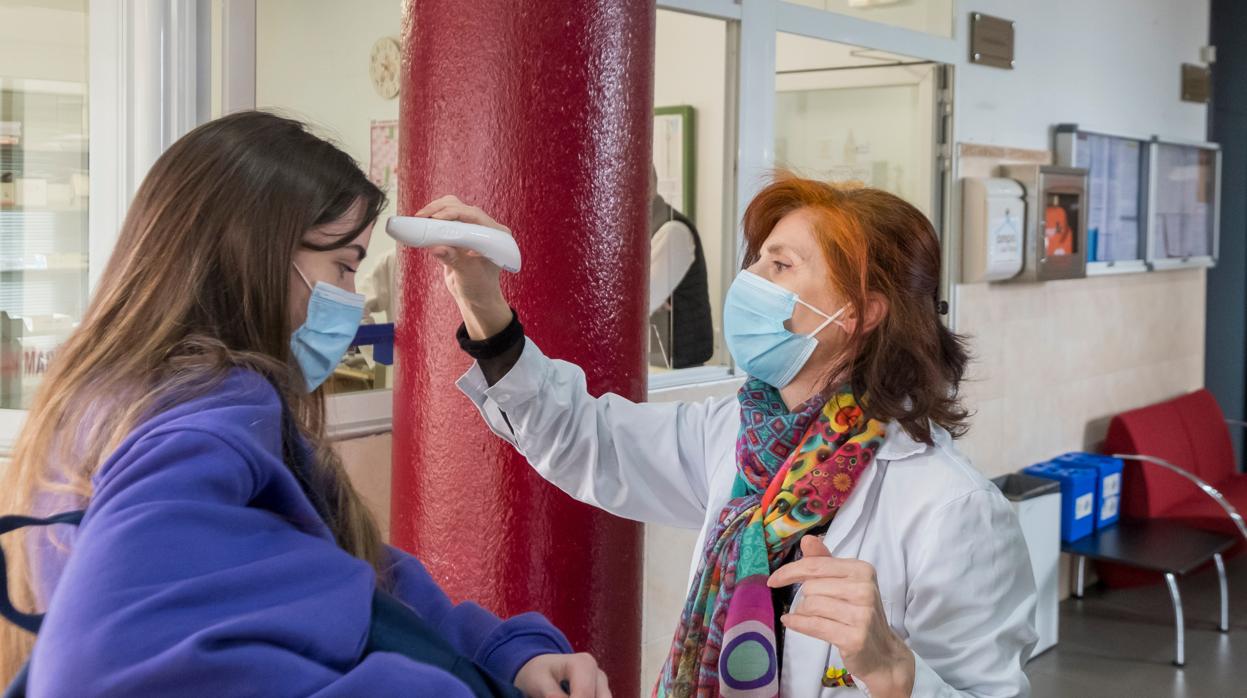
675, 157
1185, 216
1117, 195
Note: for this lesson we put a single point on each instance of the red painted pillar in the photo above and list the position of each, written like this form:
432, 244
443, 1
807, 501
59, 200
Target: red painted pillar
540, 113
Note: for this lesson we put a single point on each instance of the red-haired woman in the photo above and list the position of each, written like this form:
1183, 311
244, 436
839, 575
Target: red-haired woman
844, 540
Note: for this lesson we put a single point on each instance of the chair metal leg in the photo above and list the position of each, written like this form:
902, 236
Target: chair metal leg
1224, 625
1180, 655
1080, 575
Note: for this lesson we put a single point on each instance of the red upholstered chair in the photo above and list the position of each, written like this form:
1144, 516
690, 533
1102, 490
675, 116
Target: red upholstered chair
1191, 433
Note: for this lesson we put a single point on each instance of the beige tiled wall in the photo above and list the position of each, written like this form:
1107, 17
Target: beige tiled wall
1054, 361
367, 461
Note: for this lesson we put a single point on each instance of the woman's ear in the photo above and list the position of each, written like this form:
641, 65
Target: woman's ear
875, 311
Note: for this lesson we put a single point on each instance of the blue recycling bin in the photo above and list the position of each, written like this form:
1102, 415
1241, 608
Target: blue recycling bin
1108, 483
1077, 497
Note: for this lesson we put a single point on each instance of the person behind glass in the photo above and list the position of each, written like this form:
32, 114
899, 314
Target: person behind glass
681, 328
845, 542
223, 549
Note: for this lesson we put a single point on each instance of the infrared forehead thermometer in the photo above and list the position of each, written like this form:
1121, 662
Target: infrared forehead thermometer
494, 245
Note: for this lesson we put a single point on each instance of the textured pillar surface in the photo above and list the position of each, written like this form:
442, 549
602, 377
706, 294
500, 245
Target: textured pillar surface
540, 113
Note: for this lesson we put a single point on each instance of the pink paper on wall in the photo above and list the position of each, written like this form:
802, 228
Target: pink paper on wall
383, 165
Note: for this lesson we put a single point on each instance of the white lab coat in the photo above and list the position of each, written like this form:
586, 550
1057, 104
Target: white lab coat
953, 571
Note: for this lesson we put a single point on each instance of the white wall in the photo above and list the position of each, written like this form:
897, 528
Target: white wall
312, 63
44, 42
1112, 64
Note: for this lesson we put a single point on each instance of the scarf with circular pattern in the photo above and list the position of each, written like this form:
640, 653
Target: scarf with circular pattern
794, 471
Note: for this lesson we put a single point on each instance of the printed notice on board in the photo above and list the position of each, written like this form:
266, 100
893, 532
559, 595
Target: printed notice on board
1182, 218
1114, 167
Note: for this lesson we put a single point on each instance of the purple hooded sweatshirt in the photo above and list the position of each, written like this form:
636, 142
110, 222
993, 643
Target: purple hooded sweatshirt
202, 569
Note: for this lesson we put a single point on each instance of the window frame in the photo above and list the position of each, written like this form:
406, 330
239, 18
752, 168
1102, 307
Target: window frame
140, 85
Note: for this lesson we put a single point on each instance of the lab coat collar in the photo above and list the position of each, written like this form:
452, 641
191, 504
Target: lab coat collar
898, 444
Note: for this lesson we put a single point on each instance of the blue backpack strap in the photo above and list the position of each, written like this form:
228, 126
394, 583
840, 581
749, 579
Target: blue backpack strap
399, 629
27, 621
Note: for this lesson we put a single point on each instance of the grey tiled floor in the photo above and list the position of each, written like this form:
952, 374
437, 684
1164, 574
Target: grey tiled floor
1120, 643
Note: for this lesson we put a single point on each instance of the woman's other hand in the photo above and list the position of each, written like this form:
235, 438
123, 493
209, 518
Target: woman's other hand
544, 676
840, 605
471, 278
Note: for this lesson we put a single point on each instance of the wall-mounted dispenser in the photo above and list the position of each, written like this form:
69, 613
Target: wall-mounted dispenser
993, 218
1056, 221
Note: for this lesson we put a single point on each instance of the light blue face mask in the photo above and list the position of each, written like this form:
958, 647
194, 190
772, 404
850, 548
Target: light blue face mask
333, 317
753, 325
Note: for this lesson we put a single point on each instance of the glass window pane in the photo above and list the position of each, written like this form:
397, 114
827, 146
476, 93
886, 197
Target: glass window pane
692, 242
927, 16
1183, 218
43, 187
313, 62
844, 113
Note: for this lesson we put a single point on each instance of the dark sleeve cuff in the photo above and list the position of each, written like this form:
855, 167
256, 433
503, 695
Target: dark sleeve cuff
495, 346
497, 354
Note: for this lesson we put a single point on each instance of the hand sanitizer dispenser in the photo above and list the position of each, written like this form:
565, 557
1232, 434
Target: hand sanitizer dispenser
993, 220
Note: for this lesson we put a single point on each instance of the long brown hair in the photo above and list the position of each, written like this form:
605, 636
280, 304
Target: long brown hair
198, 285
908, 368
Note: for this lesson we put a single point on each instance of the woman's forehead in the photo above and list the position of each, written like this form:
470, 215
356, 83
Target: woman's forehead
793, 233
331, 232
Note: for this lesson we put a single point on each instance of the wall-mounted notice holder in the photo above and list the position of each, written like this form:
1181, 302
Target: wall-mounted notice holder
1056, 221
993, 226
1117, 195
1184, 217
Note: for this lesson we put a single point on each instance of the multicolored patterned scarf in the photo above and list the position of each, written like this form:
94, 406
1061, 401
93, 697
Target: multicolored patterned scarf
794, 471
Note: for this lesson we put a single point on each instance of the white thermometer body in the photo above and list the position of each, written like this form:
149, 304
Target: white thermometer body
494, 245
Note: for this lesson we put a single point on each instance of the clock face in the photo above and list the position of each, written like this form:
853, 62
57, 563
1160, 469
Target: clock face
384, 66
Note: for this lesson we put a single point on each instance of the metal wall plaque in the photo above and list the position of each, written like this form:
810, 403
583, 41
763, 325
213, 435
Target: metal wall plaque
1196, 83
991, 41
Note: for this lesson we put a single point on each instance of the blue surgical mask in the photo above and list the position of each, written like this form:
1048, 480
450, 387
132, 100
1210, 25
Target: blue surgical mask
333, 317
753, 325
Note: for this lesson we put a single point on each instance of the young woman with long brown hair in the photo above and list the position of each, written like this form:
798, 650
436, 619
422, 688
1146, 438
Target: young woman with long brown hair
223, 550
833, 471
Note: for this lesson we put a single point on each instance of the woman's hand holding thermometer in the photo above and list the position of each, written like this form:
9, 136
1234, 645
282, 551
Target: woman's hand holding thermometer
498, 246
471, 277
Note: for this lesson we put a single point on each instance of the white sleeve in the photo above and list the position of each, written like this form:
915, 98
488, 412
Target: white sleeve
642, 461
378, 287
971, 605
671, 255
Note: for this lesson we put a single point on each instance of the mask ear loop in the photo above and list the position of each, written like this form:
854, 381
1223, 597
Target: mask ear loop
830, 318
301, 276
